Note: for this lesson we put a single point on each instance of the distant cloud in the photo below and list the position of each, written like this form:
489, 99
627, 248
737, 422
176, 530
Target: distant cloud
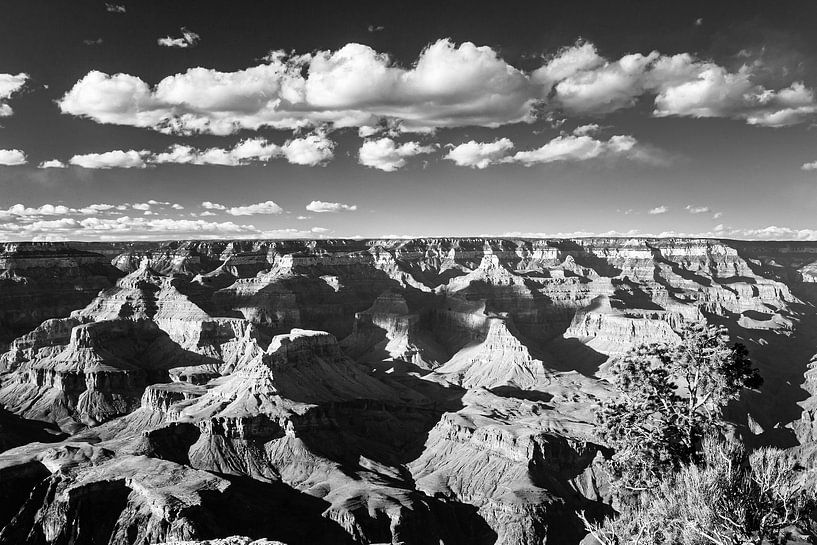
311, 150
587, 130
809, 166
582, 148
322, 206
115, 8
699, 21
246, 151
213, 206
111, 159
375, 28
580, 81
717, 215
566, 147
12, 157
479, 154
697, 209
52, 163
268, 207
187, 39
659, 210
10, 84
384, 154
97, 41
447, 85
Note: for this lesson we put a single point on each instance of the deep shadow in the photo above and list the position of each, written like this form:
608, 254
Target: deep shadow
518, 393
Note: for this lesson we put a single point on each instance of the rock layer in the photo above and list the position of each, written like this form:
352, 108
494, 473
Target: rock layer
359, 391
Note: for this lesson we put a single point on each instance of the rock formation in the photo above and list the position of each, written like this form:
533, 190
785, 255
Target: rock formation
359, 391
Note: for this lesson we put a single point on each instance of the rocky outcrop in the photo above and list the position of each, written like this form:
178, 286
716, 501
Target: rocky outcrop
206, 394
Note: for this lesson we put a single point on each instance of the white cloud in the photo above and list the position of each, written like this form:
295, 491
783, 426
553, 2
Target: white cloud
177, 206
311, 150
479, 154
268, 207
582, 148
580, 81
92, 209
355, 86
659, 210
245, 152
10, 84
12, 157
809, 166
52, 163
385, 154
115, 8
111, 159
187, 39
717, 215
213, 206
697, 209
323, 206
590, 129
448, 86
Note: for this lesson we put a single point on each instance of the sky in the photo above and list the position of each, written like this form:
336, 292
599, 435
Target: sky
130, 120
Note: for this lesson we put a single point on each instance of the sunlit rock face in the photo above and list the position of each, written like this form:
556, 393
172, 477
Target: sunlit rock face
359, 391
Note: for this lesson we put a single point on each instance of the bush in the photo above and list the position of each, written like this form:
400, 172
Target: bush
732, 498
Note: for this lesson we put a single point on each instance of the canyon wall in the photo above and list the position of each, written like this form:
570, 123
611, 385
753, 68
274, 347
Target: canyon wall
364, 391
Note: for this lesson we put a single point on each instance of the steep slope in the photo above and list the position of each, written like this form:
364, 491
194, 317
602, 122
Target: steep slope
208, 396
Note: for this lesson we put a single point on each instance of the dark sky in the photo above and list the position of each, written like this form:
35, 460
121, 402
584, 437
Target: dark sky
570, 134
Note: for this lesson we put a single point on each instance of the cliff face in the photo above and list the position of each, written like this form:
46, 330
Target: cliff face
402, 391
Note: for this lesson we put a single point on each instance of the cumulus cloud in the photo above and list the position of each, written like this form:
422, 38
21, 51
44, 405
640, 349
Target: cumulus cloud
385, 154
697, 209
809, 166
213, 206
111, 159
268, 207
659, 210
448, 85
245, 152
565, 147
100, 221
12, 157
355, 86
479, 154
581, 148
52, 163
323, 206
187, 39
579, 80
10, 84
104, 222
590, 129
311, 150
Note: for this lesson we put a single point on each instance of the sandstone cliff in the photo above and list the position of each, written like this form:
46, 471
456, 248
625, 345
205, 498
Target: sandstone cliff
359, 391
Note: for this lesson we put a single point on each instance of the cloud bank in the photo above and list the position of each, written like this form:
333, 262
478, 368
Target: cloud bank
448, 85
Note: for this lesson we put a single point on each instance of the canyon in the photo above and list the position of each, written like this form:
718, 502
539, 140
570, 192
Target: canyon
419, 391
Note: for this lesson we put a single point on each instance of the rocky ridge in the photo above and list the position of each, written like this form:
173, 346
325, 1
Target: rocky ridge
359, 391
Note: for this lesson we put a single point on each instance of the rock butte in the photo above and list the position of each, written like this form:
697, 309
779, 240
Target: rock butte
359, 391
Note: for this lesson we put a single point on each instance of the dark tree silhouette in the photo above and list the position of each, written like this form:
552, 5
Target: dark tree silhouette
670, 397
